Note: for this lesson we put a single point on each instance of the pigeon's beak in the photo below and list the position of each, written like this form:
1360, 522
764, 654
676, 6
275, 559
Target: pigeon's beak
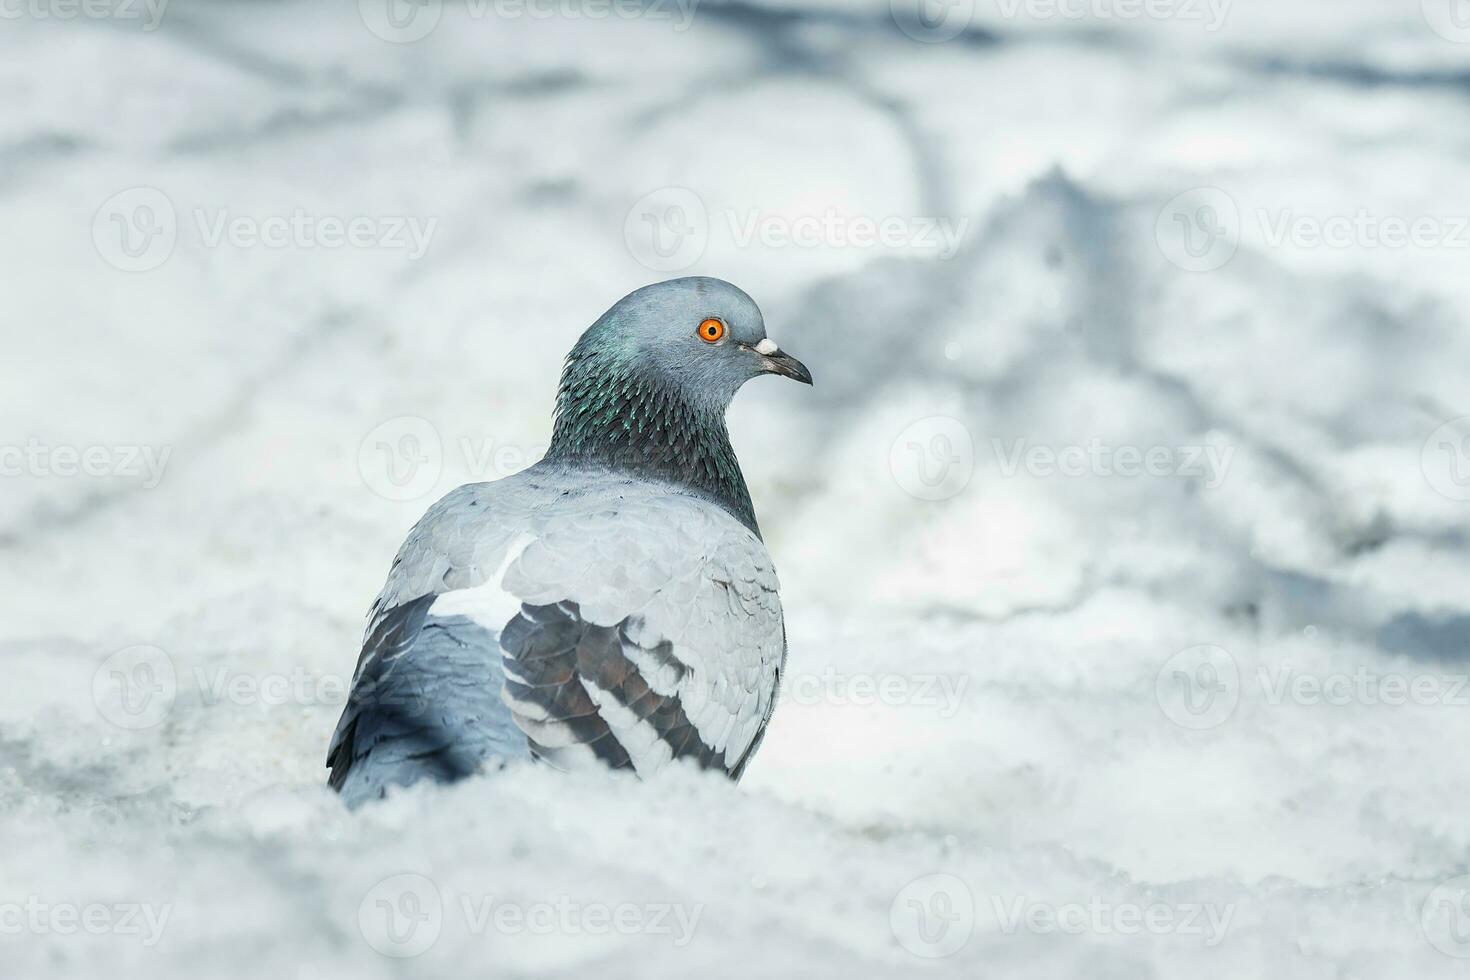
774, 360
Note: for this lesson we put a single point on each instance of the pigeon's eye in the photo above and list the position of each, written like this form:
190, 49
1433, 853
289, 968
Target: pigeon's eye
711, 331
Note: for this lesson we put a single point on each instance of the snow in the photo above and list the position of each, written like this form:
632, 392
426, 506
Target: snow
1129, 605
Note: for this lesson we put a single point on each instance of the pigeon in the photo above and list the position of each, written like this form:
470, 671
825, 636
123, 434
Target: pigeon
612, 606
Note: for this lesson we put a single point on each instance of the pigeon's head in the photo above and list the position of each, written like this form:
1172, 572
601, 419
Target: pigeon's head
701, 337
646, 387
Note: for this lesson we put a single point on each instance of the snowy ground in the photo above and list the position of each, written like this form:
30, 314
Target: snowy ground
1125, 539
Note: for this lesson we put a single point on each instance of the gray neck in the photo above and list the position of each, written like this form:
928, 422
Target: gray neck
610, 415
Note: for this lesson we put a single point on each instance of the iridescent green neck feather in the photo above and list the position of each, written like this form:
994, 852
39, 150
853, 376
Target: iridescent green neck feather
611, 409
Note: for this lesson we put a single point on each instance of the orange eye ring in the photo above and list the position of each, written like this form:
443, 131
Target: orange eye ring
711, 331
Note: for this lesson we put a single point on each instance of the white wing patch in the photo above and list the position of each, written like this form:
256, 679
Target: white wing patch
489, 604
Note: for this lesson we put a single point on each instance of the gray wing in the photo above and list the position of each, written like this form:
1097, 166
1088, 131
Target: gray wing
667, 618
437, 715
649, 624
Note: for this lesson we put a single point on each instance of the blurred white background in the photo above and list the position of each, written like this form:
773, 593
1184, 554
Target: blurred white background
1124, 539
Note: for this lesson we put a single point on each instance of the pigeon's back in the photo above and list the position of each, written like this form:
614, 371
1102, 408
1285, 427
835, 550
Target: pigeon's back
581, 617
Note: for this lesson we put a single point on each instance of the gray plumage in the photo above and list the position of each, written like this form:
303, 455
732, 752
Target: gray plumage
612, 605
